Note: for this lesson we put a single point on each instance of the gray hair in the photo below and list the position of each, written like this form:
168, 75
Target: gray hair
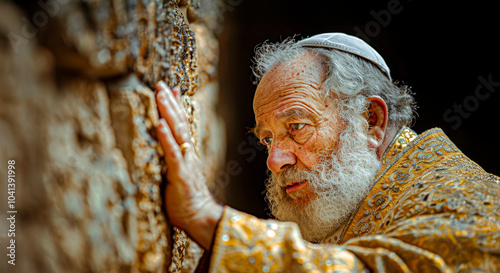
349, 78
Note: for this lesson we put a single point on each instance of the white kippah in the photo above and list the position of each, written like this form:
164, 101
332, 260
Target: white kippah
347, 43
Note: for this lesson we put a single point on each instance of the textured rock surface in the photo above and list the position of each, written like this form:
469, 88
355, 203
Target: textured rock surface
77, 113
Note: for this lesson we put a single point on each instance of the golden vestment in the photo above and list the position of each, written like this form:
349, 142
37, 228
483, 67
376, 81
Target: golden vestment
430, 209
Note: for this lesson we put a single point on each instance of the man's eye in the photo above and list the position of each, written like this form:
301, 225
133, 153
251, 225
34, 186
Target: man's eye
297, 126
266, 140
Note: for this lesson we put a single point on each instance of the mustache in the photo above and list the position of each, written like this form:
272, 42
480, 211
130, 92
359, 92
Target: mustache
294, 174
291, 174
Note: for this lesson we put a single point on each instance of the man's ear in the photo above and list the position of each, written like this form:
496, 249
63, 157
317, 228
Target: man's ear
377, 121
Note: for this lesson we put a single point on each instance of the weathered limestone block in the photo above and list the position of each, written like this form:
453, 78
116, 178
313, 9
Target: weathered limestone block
74, 196
107, 38
192, 255
133, 112
78, 114
91, 208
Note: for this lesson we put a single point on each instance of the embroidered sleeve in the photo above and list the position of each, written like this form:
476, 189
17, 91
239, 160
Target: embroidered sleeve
244, 243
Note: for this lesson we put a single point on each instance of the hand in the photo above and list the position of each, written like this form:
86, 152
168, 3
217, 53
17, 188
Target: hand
188, 202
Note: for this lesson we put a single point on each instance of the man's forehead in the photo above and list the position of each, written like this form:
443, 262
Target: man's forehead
308, 64
306, 72
293, 112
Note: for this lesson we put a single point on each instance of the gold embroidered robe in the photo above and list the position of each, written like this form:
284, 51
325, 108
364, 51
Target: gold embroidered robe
431, 209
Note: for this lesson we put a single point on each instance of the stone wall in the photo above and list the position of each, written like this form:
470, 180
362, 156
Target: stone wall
78, 115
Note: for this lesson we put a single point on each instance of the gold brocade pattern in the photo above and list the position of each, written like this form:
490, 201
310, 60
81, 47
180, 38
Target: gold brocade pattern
431, 209
404, 137
403, 165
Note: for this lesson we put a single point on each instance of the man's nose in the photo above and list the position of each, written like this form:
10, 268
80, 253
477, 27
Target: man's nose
280, 158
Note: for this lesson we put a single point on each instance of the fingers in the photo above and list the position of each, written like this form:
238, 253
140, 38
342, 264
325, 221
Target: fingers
177, 93
172, 112
172, 151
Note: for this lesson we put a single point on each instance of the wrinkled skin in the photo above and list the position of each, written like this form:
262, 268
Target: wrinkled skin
292, 117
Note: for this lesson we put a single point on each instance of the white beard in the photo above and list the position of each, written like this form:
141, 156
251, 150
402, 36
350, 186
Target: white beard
338, 184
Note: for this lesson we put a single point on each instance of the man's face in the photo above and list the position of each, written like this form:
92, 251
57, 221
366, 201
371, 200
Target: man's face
293, 119
321, 164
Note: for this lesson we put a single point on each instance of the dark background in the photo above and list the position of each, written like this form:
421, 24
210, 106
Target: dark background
438, 49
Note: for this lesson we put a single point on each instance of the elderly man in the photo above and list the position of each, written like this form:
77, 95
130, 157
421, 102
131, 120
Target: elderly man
353, 187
